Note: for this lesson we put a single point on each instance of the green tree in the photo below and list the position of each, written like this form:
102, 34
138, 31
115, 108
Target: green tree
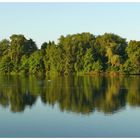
36, 63
132, 64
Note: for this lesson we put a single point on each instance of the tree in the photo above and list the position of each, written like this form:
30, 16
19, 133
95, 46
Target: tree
111, 47
36, 64
4, 47
132, 64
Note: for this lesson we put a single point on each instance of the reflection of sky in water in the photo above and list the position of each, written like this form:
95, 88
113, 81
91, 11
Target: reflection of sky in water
46, 119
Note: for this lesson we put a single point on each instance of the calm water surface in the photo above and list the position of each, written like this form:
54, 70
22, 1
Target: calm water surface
75, 106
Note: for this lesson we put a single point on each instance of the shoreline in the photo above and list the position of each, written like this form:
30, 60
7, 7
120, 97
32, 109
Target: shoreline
72, 74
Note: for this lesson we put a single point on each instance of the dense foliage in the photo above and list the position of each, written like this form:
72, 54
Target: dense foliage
79, 53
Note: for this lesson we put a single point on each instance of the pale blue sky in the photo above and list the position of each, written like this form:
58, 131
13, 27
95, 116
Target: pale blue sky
47, 21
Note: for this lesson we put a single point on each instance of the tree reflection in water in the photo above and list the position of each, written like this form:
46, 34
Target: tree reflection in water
79, 94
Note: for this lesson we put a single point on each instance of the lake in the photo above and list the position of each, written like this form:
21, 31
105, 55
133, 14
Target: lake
70, 106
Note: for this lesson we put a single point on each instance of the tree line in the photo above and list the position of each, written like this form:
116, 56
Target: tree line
82, 53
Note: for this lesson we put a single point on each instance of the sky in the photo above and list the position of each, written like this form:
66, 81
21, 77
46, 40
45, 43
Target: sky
48, 21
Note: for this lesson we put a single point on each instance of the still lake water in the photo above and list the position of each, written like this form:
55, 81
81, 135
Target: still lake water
75, 106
